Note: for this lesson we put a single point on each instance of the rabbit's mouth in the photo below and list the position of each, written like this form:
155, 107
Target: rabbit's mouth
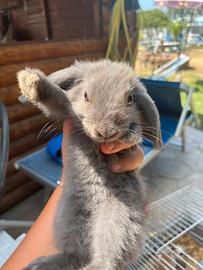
103, 135
133, 135
114, 137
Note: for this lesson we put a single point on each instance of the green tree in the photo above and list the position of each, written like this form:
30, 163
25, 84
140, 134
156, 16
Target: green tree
154, 18
176, 28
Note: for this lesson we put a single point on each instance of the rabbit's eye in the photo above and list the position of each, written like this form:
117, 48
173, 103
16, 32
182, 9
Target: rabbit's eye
86, 97
130, 99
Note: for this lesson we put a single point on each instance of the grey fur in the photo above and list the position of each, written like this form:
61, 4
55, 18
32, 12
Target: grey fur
99, 222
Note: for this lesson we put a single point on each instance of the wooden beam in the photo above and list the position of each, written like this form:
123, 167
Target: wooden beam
47, 18
28, 52
13, 182
17, 112
19, 194
97, 13
27, 126
9, 94
8, 73
23, 145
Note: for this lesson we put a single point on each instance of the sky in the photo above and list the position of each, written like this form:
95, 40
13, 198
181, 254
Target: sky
146, 4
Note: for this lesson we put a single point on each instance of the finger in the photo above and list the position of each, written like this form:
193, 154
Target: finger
111, 148
66, 130
66, 127
129, 163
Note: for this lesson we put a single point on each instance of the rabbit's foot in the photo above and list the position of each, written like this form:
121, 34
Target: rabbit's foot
29, 83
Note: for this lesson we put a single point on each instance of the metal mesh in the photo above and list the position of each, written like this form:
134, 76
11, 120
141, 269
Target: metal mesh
168, 220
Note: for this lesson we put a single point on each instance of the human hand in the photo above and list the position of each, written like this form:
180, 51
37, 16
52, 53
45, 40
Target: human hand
129, 163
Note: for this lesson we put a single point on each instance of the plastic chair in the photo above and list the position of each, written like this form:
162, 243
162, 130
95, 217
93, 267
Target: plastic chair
170, 68
174, 118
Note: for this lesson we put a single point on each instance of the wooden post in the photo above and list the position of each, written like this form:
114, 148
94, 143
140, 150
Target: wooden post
97, 11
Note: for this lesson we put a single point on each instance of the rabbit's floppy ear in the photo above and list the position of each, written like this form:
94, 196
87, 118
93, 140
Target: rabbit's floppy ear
151, 126
66, 78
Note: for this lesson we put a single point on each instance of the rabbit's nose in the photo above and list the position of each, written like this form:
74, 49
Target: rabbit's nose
107, 133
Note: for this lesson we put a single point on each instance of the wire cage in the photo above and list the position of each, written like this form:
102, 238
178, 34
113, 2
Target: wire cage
168, 220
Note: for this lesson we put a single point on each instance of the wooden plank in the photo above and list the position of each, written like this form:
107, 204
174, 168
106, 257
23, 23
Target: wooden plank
19, 194
8, 73
27, 126
17, 112
20, 146
24, 145
106, 3
15, 181
46, 14
97, 14
106, 13
9, 95
11, 170
12, 54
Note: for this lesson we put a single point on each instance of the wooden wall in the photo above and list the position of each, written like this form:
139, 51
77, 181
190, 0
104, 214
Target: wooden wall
61, 19
50, 19
29, 19
25, 120
73, 19
106, 16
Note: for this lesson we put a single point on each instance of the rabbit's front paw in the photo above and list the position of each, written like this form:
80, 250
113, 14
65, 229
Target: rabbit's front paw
29, 80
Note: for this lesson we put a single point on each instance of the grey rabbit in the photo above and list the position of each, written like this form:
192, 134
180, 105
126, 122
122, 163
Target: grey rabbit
99, 223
